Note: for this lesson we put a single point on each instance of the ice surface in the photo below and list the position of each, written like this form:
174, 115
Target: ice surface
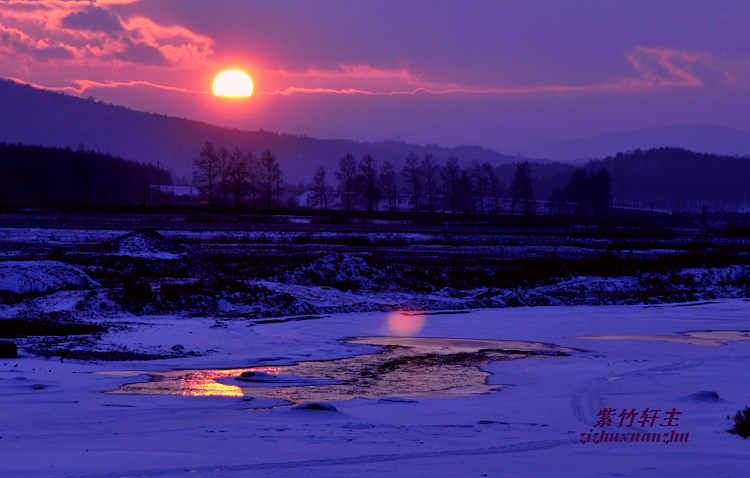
532, 428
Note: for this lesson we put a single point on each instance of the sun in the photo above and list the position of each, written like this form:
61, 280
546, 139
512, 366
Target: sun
233, 83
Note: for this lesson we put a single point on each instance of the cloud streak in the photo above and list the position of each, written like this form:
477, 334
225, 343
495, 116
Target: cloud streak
82, 86
655, 68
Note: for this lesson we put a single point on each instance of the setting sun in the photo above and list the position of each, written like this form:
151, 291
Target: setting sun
234, 83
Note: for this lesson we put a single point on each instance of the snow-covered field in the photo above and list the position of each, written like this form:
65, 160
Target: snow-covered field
56, 420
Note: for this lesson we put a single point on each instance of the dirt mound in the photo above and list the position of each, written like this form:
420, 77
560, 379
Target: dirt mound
342, 271
146, 244
21, 278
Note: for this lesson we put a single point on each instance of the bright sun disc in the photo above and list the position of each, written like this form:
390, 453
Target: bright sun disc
234, 83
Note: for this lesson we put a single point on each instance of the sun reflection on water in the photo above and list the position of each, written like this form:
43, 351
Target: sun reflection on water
417, 367
405, 323
191, 383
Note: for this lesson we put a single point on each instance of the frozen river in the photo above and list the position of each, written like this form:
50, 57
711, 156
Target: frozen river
530, 419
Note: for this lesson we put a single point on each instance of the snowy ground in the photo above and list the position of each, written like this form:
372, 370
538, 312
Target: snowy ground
57, 422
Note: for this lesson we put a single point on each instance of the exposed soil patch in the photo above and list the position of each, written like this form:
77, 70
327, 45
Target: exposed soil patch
712, 338
12, 328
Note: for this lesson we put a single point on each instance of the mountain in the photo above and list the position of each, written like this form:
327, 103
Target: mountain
700, 138
39, 117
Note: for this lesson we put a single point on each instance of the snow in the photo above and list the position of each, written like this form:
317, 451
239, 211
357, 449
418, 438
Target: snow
35, 277
30, 235
57, 423
335, 268
146, 245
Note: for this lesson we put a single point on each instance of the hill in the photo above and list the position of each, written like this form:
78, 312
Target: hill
700, 138
678, 179
35, 116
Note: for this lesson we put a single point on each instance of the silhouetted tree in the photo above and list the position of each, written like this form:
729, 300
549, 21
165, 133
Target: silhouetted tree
271, 177
578, 191
207, 171
254, 172
451, 175
479, 182
590, 192
39, 175
346, 176
237, 174
465, 196
493, 183
224, 175
430, 172
320, 188
601, 194
521, 189
387, 180
369, 170
412, 180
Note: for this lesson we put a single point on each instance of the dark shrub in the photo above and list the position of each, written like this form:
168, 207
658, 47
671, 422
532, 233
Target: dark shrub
136, 295
741, 425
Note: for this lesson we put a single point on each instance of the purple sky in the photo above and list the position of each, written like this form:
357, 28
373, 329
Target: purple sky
503, 74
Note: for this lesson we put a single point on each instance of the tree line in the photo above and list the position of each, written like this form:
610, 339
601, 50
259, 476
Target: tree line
42, 175
238, 179
425, 185
421, 185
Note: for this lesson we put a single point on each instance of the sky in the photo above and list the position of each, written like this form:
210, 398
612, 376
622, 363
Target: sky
496, 73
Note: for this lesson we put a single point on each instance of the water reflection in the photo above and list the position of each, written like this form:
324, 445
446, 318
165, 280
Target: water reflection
712, 338
408, 367
403, 323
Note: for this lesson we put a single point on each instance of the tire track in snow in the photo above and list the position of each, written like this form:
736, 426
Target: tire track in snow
588, 399
354, 460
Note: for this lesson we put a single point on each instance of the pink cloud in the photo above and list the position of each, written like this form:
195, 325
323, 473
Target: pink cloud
84, 34
92, 32
655, 68
665, 67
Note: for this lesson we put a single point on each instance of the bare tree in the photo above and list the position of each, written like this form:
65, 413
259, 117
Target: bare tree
320, 188
369, 170
430, 172
465, 196
346, 176
521, 189
270, 175
206, 171
387, 179
237, 173
224, 186
254, 171
412, 179
451, 176
480, 182
494, 185
277, 183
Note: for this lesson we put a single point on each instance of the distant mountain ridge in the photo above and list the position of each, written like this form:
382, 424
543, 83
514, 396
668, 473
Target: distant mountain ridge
38, 117
700, 138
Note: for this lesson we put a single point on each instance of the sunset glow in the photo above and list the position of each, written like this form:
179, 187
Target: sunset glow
233, 83
402, 323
